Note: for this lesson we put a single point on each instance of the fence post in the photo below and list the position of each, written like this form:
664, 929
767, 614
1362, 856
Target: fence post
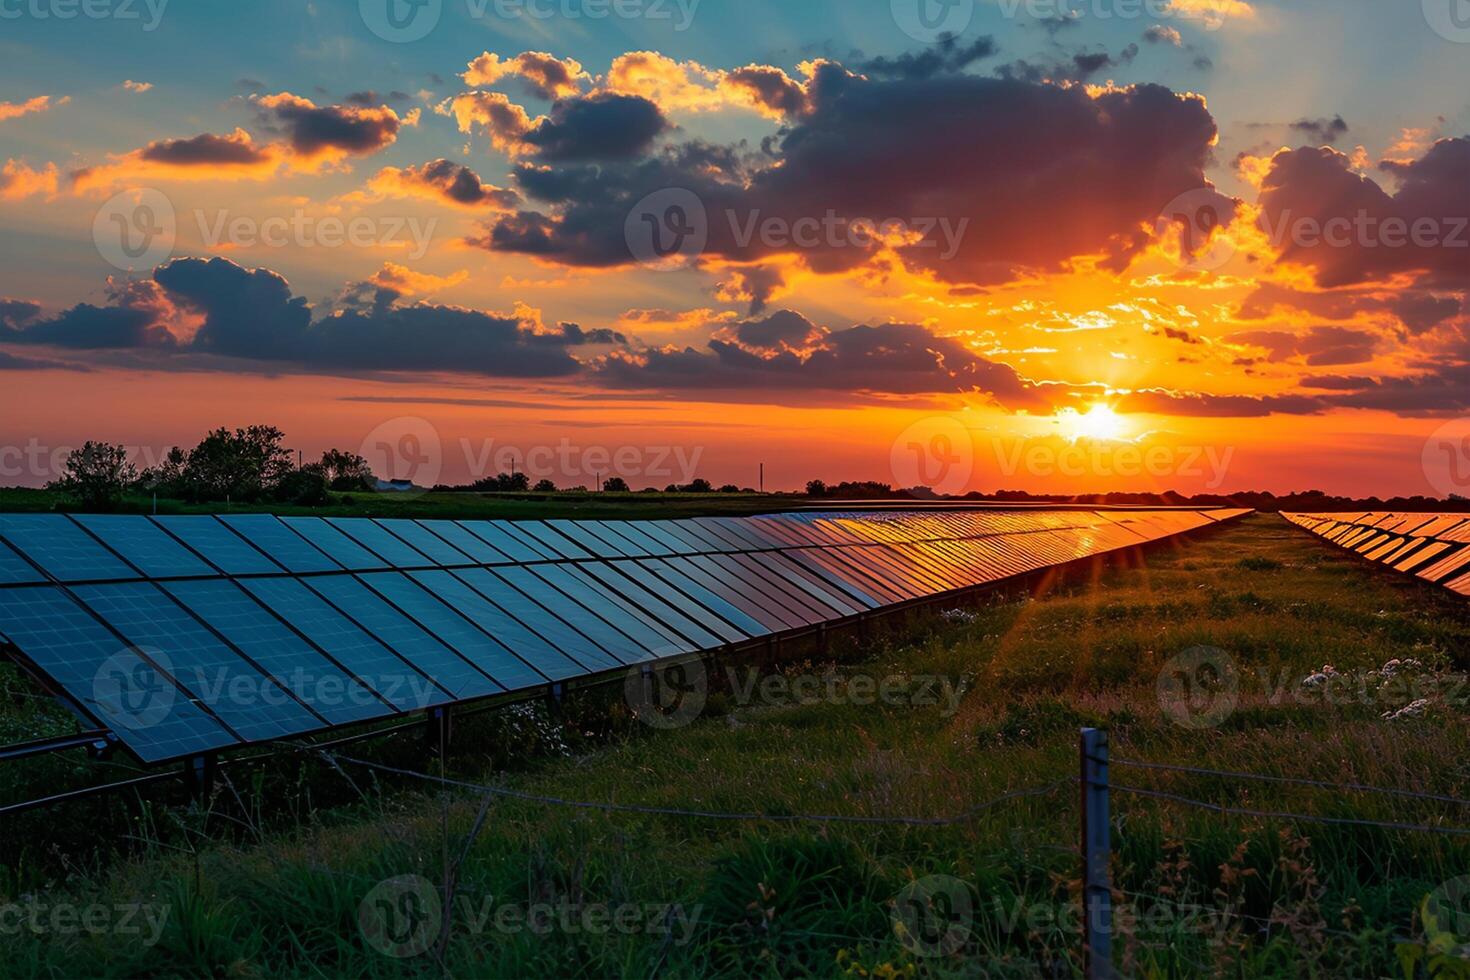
1097, 890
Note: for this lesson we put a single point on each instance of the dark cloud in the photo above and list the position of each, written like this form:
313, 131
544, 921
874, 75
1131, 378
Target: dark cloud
1423, 228
599, 127
1320, 346
770, 87
944, 58
206, 149
782, 329
10, 362
572, 335
1159, 401
1321, 130
755, 284
1424, 311
15, 312
1025, 176
454, 182
313, 130
252, 314
891, 358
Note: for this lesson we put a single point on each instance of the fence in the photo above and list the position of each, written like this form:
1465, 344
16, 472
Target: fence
1095, 786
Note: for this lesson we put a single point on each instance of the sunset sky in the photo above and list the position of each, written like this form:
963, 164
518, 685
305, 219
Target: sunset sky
986, 259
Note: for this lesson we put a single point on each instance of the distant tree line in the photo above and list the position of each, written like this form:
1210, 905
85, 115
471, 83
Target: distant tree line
246, 465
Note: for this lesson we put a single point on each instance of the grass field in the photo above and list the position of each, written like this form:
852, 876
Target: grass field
274, 877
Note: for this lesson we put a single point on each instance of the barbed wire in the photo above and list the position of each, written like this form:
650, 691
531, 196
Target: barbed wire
1281, 814
959, 818
1293, 780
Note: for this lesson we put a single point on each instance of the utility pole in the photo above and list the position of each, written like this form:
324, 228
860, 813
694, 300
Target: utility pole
763, 478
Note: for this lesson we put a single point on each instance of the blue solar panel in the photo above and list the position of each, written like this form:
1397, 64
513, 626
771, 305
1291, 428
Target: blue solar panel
681, 579
538, 620
386, 546
455, 631
367, 659
298, 666
494, 534
652, 637
64, 550
337, 546
224, 684
530, 647
218, 545
475, 547
684, 620
427, 543
14, 569
289, 549
145, 545
405, 637
550, 542
586, 621
106, 677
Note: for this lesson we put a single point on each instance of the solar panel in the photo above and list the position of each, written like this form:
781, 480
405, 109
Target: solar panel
289, 550
65, 551
218, 545
145, 545
336, 545
317, 681
385, 674
190, 635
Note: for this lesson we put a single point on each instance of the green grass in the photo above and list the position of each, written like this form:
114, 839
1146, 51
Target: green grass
271, 878
459, 506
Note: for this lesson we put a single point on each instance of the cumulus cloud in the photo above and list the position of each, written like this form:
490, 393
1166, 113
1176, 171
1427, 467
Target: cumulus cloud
1320, 346
1321, 130
253, 314
333, 131
138, 87
1038, 175
1423, 228
444, 181
544, 75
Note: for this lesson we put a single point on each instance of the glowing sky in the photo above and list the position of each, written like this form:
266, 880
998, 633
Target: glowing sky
1073, 245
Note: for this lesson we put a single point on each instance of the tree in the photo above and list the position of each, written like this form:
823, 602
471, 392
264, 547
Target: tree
503, 483
699, 485
545, 486
306, 486
615, 484
242, 465
730, 488
347, 471
166, 478
96, 475
816, 488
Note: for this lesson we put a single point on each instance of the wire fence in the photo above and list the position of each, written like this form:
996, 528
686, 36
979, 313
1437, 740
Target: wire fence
1129, 900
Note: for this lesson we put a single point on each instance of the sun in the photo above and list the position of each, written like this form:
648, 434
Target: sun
1099, 424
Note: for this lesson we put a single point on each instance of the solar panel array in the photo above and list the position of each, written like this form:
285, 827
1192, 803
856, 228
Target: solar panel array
1435, 547
186, 635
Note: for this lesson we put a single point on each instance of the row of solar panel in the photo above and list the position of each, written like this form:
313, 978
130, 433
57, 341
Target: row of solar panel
196, 661
100, 548
1435, 547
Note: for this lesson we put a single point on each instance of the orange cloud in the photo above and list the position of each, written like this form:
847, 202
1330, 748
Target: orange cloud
549, 77
41, 103
139, 87
691, 87
18, 181
206, 157
501, 119
441, 181
406, 282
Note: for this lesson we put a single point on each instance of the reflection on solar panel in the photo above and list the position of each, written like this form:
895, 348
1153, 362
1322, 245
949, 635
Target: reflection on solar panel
1435, 547
186, 636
